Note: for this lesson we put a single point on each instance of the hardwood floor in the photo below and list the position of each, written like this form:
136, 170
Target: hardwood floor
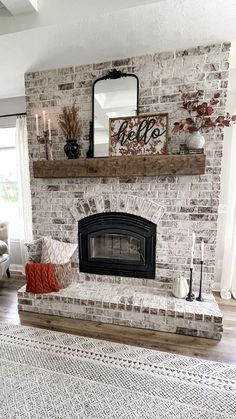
8, 299
224, 351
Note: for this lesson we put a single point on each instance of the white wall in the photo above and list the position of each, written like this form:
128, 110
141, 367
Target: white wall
224, 195
10, 106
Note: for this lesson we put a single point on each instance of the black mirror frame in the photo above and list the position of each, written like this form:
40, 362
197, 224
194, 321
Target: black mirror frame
113, 74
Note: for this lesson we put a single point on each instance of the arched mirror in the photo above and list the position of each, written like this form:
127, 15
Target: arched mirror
113, 95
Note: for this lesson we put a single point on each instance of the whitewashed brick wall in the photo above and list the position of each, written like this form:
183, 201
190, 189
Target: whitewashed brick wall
190, 202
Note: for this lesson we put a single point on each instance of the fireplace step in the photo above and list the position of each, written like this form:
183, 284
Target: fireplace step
133, 306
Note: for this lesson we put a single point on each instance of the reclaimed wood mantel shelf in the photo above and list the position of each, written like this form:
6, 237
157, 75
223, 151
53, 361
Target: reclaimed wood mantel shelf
131, 166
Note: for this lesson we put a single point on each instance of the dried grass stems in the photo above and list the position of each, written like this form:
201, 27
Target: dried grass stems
69, 122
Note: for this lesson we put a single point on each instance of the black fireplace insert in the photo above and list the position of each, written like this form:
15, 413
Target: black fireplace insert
116, 243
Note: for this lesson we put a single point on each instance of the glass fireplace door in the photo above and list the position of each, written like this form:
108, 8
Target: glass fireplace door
117, 246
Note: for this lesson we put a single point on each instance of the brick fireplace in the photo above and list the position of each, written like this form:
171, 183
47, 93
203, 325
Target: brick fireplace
124, 300
177, 205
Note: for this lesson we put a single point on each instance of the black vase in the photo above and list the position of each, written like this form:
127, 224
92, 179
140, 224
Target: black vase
72, 149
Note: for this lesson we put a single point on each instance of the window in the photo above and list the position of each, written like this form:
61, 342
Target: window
9, 186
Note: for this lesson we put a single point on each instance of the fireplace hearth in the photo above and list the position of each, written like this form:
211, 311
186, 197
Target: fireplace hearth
117, 243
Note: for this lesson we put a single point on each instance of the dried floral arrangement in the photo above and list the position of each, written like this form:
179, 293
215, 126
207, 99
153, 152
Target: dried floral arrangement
200, 114
69, 122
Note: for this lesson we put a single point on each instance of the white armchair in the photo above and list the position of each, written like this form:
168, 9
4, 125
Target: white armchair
5, 257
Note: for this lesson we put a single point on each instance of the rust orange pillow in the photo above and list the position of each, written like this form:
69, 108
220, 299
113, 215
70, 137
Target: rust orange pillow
40, 278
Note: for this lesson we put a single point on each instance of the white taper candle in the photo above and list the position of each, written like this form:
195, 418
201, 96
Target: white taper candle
193, 244
37, 124
44, 120
49, 130
202, 251
191, 263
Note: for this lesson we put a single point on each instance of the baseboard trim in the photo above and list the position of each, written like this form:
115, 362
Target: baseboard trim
216, 287
16, 268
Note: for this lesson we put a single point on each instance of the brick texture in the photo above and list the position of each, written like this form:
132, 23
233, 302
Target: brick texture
190, 202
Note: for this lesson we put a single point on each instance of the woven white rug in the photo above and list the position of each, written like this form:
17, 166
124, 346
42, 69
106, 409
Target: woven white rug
45, 374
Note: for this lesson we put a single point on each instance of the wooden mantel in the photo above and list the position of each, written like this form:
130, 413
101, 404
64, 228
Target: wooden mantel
129, 166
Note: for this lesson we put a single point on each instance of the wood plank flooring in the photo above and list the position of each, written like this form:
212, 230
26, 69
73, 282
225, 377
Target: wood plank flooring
223, 351
8, 299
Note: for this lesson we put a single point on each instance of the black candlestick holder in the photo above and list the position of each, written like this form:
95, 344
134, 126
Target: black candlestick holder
199, 298
48, 144
190, 296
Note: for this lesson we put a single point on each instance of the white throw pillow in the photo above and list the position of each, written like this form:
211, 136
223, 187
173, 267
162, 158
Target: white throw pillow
57, 252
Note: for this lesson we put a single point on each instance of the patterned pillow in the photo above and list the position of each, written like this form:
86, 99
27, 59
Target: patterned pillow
63, 274
34, 249
3, 247
57, 252
40, 278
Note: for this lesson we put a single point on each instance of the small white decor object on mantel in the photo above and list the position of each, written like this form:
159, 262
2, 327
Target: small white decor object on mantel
180, 287
195, 140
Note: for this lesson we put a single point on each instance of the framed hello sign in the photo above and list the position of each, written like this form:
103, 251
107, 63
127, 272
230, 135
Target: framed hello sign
139, 135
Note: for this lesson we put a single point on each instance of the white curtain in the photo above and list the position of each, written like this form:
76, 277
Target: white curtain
228, 280
24, 185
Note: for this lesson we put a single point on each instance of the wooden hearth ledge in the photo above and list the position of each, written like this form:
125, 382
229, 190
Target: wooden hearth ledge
131, 166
